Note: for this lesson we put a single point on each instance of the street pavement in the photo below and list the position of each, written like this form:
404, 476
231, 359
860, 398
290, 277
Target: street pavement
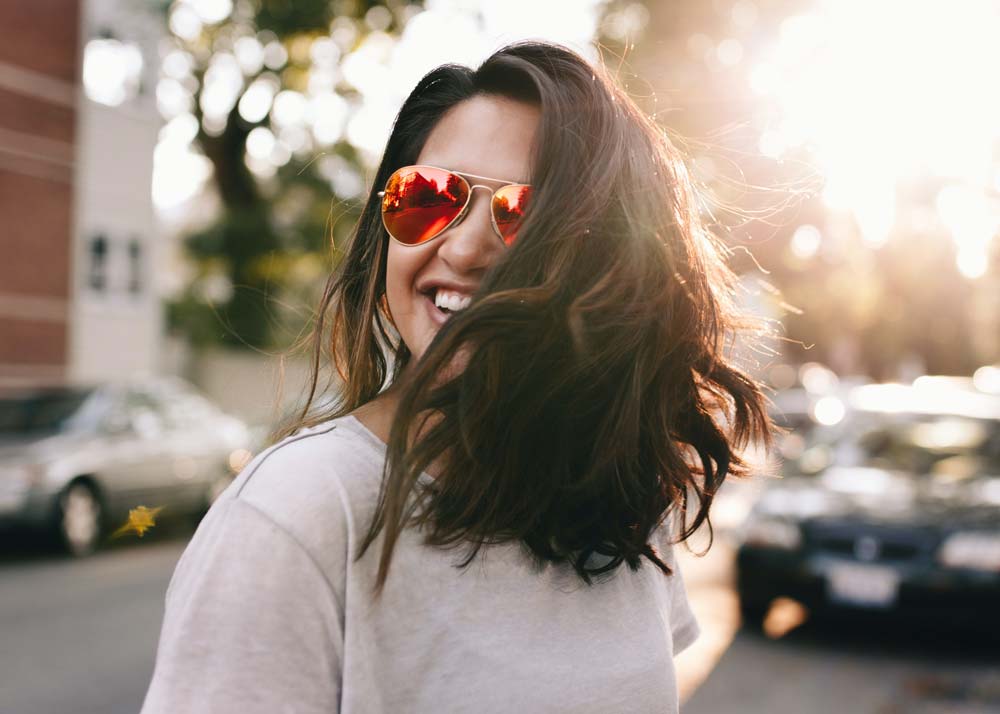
814, 667
80, 636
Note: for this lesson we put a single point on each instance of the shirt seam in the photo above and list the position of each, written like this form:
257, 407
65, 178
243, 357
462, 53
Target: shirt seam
288, 533
278, 447
291, 536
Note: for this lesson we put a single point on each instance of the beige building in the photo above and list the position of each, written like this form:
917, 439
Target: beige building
78, 124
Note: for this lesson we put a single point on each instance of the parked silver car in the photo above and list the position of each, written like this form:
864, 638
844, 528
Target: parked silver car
75, 460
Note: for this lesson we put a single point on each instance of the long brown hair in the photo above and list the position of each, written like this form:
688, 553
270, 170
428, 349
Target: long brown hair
596, 395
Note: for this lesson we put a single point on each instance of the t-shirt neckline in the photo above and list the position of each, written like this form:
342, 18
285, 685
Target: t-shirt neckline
380, 445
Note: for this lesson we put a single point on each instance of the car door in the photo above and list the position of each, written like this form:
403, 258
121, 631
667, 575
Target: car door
194, 449
131, 453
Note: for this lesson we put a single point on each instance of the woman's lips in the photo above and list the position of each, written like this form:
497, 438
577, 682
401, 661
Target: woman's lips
437, 316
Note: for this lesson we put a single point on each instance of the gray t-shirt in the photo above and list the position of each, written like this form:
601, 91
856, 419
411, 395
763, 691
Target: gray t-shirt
268, 612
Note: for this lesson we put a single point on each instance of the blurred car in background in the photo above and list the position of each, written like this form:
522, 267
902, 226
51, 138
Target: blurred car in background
894, 507
809, 397
74, 460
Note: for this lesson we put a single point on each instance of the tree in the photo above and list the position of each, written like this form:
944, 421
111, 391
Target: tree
272, 85
265, 248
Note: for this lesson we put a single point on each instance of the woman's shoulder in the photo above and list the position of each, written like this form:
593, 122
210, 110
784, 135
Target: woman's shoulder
315, 484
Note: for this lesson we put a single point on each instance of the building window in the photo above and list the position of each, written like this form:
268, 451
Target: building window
135, 266
97, 274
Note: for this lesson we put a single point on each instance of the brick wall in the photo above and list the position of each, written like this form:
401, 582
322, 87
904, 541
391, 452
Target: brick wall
39, 70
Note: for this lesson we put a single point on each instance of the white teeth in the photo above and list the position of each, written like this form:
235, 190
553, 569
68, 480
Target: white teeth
451, 300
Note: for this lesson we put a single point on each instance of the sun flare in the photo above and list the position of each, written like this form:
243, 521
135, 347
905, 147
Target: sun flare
889, 91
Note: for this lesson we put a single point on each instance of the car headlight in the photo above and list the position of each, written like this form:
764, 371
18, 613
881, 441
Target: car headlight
970, 549
772, 533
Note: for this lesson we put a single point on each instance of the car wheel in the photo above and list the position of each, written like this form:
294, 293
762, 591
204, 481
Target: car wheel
79, 518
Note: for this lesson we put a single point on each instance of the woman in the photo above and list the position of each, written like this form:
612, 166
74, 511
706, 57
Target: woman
528, 323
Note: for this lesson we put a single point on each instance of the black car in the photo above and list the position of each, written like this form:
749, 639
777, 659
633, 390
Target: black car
74, 460
895, 509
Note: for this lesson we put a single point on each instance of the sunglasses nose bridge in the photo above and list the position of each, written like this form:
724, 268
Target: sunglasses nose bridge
468, 204
472, 190
468, 208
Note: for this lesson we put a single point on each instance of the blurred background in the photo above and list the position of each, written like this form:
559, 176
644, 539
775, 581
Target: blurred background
174, 176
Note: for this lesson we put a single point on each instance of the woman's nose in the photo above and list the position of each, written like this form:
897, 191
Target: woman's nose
471, 245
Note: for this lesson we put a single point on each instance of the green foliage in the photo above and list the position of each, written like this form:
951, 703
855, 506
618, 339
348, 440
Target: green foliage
285, 18
258, 267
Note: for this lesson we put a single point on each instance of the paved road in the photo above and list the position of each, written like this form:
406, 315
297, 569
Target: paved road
79, 636
832, 667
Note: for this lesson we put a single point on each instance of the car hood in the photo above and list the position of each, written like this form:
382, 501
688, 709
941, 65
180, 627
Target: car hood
888, 497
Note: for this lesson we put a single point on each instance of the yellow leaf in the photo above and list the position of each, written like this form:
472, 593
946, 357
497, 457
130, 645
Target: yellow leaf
140, 520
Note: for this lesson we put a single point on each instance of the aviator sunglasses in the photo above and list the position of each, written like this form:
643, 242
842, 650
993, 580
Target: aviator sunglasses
420, 203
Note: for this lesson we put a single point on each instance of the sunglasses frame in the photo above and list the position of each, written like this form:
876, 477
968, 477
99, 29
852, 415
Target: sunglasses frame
465, 209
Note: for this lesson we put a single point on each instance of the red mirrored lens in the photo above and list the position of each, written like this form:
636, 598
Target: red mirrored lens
420, 202
509, 206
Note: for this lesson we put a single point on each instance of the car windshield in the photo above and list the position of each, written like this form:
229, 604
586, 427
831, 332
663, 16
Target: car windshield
937, 444
41, 411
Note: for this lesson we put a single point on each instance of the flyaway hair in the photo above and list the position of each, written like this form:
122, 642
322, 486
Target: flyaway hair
586, 392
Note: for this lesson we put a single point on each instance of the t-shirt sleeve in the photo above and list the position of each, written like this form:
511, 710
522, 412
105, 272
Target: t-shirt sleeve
683, 625
251, 623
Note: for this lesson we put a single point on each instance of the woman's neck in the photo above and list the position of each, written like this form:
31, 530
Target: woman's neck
377, 415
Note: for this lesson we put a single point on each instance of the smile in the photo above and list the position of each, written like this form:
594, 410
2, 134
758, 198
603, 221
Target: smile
451, 301
442, 303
